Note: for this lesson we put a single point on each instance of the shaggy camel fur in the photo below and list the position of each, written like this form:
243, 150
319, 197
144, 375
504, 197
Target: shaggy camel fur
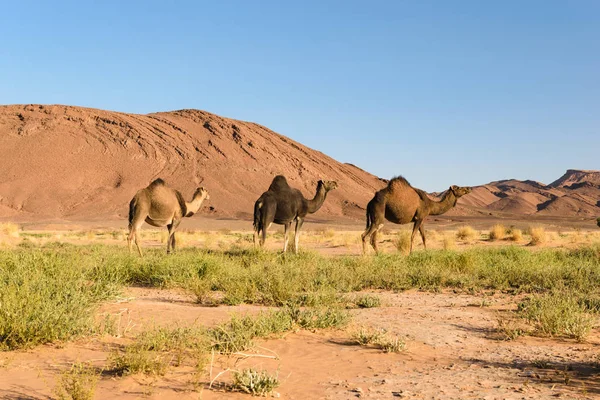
401, 203
159, 205
282, 205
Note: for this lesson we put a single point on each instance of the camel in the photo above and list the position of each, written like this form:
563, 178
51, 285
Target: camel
401, 203
282, 205
159, 205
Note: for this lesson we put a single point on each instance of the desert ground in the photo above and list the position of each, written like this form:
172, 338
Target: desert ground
452, 341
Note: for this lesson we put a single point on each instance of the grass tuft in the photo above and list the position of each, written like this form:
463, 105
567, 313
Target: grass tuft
538, 235
402, 241
467, 234
367, 301
256, 383
77, 383
557, 314
516, 235
498, 232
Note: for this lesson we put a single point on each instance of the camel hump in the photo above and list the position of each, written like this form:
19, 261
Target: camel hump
279, 183
157, 182
398, 182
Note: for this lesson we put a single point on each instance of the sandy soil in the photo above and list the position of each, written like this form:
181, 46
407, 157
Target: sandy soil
453, 352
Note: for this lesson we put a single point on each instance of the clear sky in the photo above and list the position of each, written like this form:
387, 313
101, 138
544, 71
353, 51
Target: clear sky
442, 92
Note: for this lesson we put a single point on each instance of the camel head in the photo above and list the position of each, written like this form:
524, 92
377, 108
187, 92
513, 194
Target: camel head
327, 185
201, 192
459, 191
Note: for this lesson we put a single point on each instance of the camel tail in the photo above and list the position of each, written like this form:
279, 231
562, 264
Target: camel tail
131, 211
257, 214
368, 212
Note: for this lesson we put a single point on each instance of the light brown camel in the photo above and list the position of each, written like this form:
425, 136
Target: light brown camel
282, 205
401, 203
159, 205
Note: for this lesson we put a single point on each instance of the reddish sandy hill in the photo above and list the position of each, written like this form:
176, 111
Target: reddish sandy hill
576, 193
74, 163
62, 162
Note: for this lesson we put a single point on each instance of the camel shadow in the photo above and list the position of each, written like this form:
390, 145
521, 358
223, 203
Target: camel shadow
17, 395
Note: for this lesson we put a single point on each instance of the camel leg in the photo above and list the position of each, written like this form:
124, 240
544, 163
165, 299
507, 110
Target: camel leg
256, 232
134, 235
366, 235
374, 237
286, 231
137, 242
422, 231
299, 222
171, 240
416, 226
263, 238
375, 219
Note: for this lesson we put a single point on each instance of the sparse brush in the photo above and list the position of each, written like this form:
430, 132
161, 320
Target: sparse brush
379, 337
402, 241
365, 336
497, 232
448, 242
9, 229
256, 383
392, 344
576, 236
516, 235
509, 329
538, 235
557, 314
77, 383
134, 361
466, 234
367, 301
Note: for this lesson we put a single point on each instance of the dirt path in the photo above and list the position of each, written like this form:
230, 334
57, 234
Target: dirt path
452, 353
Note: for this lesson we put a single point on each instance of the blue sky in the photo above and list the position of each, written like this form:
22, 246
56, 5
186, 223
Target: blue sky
442, 92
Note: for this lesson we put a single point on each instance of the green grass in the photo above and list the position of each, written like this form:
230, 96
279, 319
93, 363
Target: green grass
50, 293
154, 351
558, 314
256, 383
77, 383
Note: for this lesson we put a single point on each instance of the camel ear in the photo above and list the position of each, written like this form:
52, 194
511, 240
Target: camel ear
453, 188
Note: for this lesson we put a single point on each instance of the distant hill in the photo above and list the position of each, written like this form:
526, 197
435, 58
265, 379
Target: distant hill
576, 193
79, 163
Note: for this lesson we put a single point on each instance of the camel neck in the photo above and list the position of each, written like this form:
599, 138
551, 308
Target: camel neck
194, 205
317, 201
447, 202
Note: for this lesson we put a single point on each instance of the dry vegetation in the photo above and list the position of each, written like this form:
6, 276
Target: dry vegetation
49, 291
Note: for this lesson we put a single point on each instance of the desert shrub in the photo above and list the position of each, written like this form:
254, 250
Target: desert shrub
448, 242
9, 229
497, 232
557, 314
466, 233
402, 241
367, 301
256, 383
516, 235
538, 235
46, 297
77, 383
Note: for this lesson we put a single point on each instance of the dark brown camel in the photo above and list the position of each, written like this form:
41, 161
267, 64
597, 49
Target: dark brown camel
282, 205
401, 203
159, 205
